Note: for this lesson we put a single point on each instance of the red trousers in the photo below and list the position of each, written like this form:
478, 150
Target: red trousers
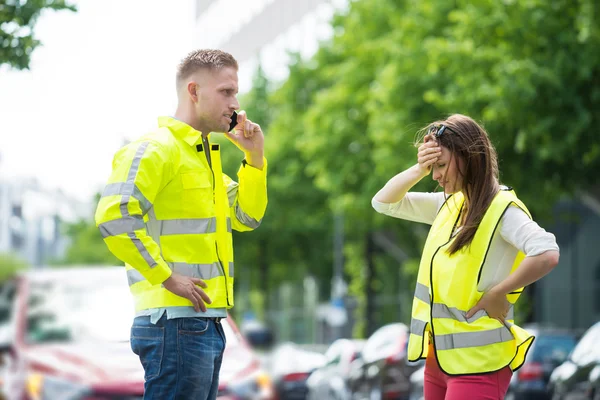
439, 386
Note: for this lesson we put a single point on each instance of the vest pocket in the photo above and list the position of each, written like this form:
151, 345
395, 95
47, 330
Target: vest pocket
197, 193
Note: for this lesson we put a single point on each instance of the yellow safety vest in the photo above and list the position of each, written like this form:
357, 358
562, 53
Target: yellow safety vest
447, 289
165, 209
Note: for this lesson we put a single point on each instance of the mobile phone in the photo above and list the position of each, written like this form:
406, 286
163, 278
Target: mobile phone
233, 121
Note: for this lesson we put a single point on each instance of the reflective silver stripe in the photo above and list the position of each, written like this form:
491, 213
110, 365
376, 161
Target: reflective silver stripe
422, 293
245, 218
142, 249
231, 269
127, 189
121, 225
188, 226
134, 276
133, 169
153, 229
232, 190
417, 327
182, 226
202, 271
443, 311
472, 339
135, 165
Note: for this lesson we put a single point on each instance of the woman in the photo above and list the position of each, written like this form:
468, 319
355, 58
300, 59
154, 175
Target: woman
482, 249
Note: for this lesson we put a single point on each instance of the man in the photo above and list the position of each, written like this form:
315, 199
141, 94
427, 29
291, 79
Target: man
168, 211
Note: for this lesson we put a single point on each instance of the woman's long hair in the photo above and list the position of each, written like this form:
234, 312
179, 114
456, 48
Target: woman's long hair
467, 140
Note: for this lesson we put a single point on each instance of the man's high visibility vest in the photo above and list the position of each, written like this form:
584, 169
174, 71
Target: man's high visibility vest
447, 289
168, 208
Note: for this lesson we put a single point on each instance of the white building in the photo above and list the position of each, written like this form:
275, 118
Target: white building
31, 219
265, 31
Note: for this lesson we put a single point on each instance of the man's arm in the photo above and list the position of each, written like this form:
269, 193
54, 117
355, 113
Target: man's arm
248, 199
140, 171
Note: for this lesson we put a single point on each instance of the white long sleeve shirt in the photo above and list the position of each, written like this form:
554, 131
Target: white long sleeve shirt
517, 232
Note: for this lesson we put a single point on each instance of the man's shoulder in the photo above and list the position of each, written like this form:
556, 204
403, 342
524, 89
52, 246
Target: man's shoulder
159, 142
159, 136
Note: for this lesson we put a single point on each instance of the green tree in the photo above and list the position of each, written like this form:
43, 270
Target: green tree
86, 244
10, 264
17, 25
528, 70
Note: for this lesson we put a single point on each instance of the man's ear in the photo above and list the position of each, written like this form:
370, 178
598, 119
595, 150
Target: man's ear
192, 90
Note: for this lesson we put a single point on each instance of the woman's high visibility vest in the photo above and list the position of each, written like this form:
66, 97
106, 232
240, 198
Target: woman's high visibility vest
447, 289
168, 208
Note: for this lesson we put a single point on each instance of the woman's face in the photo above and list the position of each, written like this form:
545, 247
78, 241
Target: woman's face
446, 171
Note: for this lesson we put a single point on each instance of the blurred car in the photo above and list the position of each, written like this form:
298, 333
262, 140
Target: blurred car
573, 378
331, 380
549, 349
383, 372
290, 367
64, 334
594, 378
257, 334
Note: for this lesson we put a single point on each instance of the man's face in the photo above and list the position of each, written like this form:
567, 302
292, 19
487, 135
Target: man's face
216, 91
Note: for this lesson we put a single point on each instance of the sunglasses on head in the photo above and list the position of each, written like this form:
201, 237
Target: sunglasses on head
438, 130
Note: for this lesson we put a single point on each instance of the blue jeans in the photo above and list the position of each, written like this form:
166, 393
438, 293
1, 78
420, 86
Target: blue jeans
181, 357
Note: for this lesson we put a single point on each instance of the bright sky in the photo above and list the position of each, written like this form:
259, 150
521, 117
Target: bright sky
103, 74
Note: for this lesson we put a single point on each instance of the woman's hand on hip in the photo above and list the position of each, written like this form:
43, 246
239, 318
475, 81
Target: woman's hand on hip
495, 305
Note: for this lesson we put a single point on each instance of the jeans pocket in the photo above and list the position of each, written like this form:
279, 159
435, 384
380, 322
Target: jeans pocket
222, 333
148, 343
194, 326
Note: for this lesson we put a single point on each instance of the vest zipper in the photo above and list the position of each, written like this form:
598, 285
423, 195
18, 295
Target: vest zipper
206, 146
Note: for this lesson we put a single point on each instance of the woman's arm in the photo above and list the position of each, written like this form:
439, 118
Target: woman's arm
531, 270
397, 187
394, 200
542, 256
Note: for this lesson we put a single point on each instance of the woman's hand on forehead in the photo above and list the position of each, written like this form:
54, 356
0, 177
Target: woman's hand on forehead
429, 137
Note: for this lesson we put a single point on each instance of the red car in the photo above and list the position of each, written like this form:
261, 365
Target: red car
64, 335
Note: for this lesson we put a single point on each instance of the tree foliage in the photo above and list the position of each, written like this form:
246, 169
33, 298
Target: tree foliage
527, 70
86, 244
17, 25
10, 264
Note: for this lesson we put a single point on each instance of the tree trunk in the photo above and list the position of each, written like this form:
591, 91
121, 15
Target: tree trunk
370, 278
263, 265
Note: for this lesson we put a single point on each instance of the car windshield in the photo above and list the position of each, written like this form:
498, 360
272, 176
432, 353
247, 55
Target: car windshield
85, 307
552, 347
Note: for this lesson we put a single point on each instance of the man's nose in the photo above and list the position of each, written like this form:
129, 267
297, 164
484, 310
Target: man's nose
235, 105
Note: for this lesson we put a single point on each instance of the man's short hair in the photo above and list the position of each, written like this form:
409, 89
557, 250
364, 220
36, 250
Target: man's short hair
204, 59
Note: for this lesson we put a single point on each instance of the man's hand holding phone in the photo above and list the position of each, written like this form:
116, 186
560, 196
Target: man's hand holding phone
249, 138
